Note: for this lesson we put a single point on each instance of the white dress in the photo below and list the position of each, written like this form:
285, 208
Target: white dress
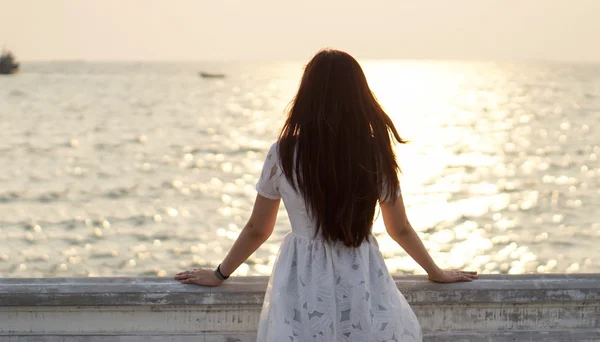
327, 292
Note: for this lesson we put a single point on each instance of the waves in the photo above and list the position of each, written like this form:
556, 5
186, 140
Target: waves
109, 170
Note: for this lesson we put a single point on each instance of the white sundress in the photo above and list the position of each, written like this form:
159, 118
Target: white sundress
327, 292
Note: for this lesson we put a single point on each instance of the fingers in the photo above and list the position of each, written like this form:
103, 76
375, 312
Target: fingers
470, 275
188, 271
461, 276
461, 271
183, 275
456, 276
187, 274
464, 278
451, 276
197, 276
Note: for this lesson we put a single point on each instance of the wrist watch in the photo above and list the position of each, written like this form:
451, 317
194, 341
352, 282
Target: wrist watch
219, 274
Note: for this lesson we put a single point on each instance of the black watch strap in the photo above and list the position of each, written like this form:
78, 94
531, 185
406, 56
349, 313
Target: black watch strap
219, 274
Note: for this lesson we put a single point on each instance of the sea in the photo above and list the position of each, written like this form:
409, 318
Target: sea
147, 169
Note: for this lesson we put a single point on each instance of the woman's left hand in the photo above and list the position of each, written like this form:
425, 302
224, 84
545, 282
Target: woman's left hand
199, 276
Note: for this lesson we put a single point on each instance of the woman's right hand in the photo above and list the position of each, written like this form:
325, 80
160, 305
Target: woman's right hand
452, 276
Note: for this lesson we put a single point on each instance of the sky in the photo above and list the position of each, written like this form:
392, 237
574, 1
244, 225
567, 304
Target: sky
243, 30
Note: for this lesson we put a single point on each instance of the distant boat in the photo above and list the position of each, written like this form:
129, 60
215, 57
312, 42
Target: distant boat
8, 64
210, 75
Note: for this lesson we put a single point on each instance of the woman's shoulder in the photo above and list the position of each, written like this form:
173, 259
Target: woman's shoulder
282, 145
274, 146
273, 152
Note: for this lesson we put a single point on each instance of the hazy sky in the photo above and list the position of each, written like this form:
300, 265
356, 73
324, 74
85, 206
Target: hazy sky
284, 29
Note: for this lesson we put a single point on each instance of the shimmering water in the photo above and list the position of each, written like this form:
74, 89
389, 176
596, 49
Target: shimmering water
145, 169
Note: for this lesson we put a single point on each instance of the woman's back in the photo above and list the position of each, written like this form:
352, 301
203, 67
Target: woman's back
324, 290
274, 184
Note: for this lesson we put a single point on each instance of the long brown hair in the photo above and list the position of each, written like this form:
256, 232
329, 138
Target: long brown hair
342, 142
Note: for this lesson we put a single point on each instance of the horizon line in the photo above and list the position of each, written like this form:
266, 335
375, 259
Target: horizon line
294, 60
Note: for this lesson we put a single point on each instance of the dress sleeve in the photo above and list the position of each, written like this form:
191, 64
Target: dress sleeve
384, 194
268, 183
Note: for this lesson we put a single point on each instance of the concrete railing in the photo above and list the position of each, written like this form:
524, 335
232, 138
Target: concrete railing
493, 308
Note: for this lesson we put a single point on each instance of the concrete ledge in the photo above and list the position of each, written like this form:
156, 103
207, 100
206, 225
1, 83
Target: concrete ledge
495, 308
563, 336
250, 290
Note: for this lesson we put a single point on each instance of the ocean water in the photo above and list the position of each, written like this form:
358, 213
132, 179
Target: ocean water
141, 169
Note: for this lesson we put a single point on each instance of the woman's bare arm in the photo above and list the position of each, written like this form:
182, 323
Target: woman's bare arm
256, 231
397, 225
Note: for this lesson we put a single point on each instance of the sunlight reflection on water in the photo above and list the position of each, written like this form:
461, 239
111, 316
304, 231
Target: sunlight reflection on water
145, 169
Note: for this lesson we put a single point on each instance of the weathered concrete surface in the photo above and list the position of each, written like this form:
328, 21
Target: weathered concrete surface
587, 336
494, 308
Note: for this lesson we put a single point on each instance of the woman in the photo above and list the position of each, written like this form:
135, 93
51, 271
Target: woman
333, 162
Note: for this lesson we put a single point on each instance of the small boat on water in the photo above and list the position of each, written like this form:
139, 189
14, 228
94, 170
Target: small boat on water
210, 75
8, 63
